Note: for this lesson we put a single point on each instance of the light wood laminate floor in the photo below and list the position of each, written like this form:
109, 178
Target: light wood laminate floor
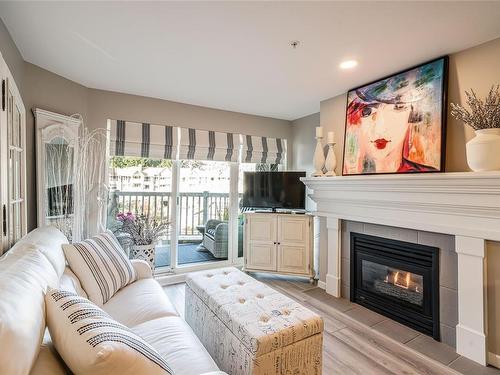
359, 341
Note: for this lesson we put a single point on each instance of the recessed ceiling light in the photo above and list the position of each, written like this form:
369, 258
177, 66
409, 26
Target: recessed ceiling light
348, 64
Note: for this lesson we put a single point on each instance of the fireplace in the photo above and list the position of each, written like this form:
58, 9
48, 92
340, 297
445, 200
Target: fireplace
397, 279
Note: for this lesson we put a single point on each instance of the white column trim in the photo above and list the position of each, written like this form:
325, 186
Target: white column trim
333, 276
471, 328
233, 214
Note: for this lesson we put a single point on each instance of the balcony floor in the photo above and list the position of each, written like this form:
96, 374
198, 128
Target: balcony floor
187, 253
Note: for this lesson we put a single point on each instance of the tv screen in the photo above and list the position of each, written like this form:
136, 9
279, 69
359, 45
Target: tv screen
274, 190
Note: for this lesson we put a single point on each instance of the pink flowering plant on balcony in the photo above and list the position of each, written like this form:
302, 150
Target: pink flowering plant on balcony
140, 229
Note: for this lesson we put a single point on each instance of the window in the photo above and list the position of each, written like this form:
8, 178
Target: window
140, 200
203, 211
201, 184
12, 163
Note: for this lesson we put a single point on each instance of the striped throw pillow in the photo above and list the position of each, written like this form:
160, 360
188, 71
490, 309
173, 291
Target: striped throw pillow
91, 342
101, 265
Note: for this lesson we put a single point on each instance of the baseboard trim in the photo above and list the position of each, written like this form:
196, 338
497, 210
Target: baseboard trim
471, 344
321, 284
333, 285
171, 279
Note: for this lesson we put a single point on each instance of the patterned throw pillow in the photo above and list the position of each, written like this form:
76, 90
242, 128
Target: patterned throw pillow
101, 266
91, 342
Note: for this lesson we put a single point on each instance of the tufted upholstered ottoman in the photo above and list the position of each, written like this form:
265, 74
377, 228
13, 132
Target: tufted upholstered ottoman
249, 328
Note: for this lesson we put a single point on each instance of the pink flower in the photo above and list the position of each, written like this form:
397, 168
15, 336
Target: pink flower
129, 216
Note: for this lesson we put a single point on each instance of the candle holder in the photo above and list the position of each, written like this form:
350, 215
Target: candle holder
331, 161
319, 158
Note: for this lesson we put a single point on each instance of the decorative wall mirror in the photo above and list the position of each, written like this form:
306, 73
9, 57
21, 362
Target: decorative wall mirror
57, 148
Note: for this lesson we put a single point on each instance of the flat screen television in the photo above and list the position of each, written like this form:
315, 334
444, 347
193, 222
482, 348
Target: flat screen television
274, 190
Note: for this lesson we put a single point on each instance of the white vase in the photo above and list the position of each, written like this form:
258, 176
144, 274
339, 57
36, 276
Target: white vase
145, 252
331, 161
319, 158
483, 151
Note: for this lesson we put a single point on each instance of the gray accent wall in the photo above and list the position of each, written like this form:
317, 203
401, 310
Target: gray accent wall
303, 130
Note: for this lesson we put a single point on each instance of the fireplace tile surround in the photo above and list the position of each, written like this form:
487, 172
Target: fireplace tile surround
462, 205
448, 276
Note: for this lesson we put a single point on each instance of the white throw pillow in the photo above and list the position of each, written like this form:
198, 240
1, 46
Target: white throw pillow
91, 342
101, 266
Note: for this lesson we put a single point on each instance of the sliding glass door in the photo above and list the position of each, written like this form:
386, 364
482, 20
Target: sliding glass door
143, 186
204, 215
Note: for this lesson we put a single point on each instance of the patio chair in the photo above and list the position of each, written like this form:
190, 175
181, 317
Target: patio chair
215, 238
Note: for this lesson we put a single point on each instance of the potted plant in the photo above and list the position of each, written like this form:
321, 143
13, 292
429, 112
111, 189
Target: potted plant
484, 117
142, 234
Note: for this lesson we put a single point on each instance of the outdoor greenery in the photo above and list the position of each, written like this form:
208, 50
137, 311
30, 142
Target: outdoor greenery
129, 161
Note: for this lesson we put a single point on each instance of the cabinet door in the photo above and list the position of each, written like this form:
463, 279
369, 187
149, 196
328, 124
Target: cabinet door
294, 242
293, 229
293, 259
261, 228
260, 242
261, 256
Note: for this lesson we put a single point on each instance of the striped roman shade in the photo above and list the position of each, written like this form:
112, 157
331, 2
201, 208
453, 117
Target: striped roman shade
208, 145
101, 266
142, 140
263, 150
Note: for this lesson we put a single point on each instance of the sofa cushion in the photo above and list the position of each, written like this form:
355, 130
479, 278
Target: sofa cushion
91, 342
49, 362
177, 344
71, 283
101, 266
48, 240
138, 302
142, 269
24, 276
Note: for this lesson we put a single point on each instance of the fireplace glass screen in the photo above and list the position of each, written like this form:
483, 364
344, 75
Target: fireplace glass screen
392, 282
397, 279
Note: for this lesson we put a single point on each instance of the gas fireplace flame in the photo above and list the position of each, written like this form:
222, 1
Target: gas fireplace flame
399, 278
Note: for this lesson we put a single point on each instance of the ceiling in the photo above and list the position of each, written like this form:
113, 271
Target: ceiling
237, 55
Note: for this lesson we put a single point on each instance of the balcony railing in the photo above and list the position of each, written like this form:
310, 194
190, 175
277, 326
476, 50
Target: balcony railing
194, 208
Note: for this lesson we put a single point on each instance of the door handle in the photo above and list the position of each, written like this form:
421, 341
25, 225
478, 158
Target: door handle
4, 220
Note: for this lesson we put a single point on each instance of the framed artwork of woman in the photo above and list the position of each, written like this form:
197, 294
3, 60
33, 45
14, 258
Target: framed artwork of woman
397, 124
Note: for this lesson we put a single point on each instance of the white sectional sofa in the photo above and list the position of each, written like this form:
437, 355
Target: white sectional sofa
37, 262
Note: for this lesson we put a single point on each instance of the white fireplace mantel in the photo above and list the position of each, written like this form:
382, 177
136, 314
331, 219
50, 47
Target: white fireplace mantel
466, 205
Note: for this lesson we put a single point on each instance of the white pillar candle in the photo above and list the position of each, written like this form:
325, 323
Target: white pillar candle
319, 132
331, 137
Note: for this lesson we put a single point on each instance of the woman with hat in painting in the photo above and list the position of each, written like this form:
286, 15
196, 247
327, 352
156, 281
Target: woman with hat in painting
394, 125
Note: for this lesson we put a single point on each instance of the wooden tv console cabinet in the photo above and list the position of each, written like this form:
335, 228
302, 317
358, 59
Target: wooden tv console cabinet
279, 243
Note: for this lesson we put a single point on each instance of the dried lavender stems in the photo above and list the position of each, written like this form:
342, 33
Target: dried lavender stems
483, 114
142, 230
